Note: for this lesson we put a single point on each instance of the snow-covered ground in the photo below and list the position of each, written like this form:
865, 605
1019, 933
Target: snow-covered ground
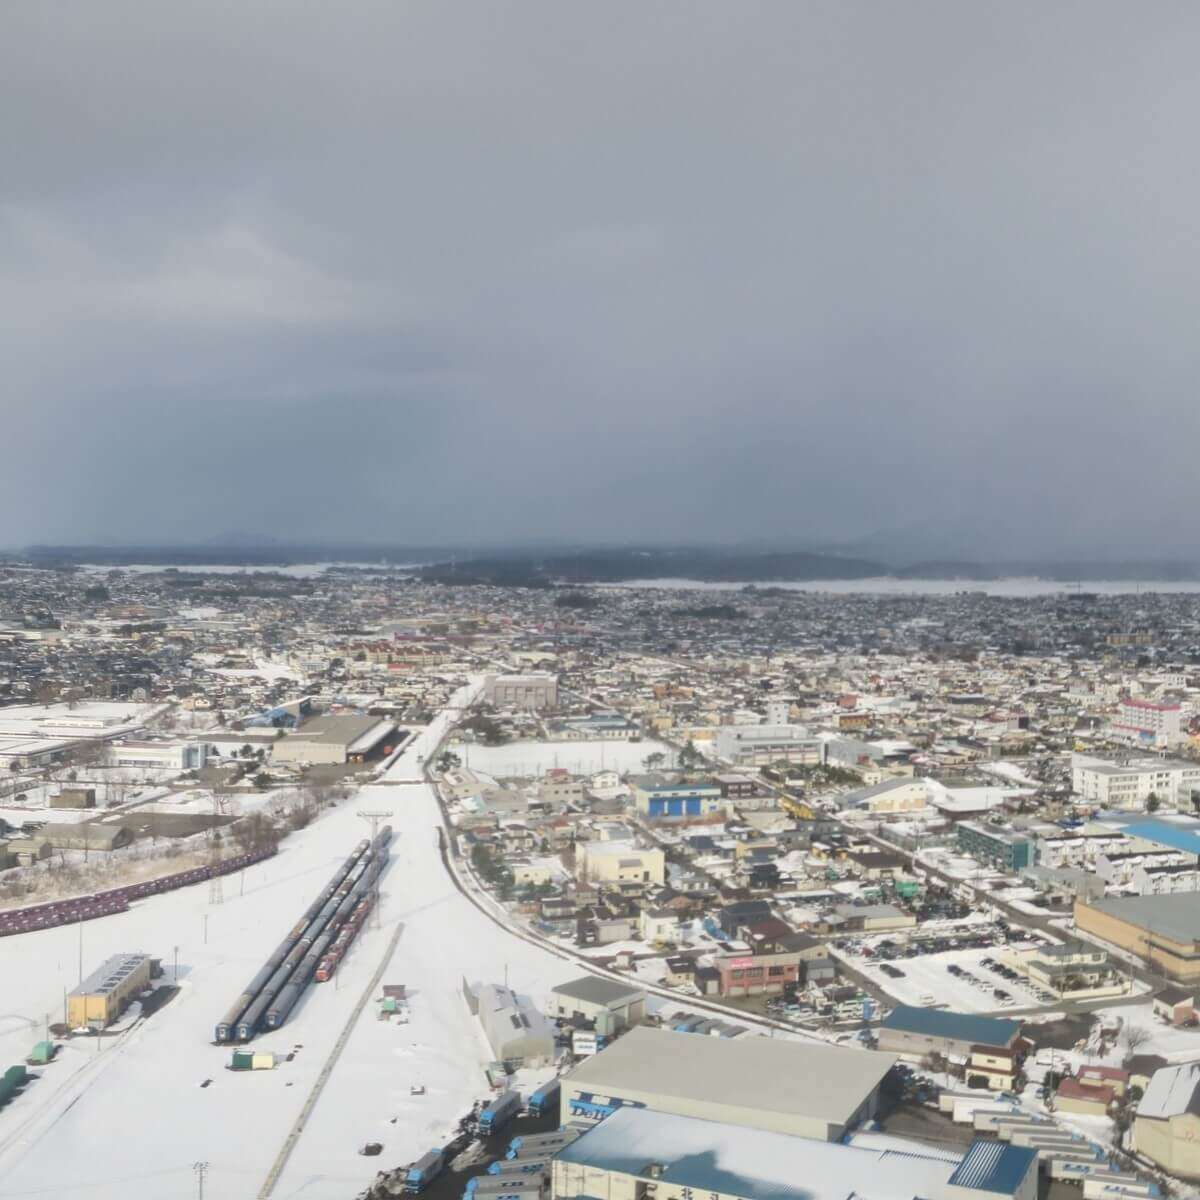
927, 976
580, 758
107, 1119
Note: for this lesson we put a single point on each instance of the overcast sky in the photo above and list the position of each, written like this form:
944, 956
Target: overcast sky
622, 270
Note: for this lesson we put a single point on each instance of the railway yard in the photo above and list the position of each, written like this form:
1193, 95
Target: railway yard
171, 1077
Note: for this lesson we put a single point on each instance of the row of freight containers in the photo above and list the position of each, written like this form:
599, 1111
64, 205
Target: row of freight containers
116, 900
542, 1145
270, 996
10, 1082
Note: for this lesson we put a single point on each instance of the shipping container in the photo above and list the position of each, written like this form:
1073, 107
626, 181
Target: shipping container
499, 1113
425, 1170
42, 1053
545, 1098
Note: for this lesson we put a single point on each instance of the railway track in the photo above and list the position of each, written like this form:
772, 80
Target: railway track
281, 1159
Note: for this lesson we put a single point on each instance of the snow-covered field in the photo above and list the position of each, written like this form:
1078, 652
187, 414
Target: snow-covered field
580, 758
131, 1117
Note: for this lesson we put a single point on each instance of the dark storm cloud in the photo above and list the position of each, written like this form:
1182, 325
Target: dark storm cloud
436, 271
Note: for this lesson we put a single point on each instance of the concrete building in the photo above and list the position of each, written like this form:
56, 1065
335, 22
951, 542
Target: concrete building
619, 862
1163, 931
101, 998
538, 691
916, 1032
516, 1031
333, 740
1001, 848
163, 756
1167, 1126
753, 1083
638, 1153
603, 1003
1128, 785
1146, 723
758, 745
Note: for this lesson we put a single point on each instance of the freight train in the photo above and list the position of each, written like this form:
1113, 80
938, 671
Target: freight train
116, 900
270, 996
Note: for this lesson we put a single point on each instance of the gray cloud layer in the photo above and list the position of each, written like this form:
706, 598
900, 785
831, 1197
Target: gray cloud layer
623, 270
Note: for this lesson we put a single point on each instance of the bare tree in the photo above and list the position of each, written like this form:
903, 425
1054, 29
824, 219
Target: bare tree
1133, 1038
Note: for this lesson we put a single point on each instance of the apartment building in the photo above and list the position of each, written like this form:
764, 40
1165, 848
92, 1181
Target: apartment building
1148, 723
1128, 785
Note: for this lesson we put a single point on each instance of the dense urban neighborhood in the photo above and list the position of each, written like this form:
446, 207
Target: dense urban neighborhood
356, 884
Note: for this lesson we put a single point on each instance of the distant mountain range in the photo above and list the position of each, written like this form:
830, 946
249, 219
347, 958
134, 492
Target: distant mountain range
543, 566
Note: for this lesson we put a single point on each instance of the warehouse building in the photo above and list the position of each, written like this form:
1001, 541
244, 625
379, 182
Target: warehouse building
87, 835
603, 1003
1163, 931
657, 796
334, 740
101, 998
1166, 1128
641, 1153
516, 1031
915, 1032
753, 1083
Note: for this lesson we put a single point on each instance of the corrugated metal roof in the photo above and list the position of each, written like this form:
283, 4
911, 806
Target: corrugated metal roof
994, 1167
962, 1027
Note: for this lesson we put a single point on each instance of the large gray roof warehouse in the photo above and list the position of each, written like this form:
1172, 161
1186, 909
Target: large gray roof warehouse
766, 1083
333, 739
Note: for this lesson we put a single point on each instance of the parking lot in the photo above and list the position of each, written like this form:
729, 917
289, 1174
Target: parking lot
966, 978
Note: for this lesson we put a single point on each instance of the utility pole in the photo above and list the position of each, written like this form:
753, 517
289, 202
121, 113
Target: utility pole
176, 971
201, 1169
375, 816
81, 951
206, 929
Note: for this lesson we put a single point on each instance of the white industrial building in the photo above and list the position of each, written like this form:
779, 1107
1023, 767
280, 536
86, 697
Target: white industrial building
758, 745
516, 1031
1128, 785
166, 756
639, 1153
750, 1082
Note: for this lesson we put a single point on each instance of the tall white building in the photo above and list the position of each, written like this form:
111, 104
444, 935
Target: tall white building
758, 745
1148, 723
1130, 784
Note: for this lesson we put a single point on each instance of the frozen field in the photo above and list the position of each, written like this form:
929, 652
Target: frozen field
580, 758
131, 1117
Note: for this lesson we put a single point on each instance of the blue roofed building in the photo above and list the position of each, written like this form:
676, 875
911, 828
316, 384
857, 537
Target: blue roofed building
915, 1032
638, 1153
998, 1168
